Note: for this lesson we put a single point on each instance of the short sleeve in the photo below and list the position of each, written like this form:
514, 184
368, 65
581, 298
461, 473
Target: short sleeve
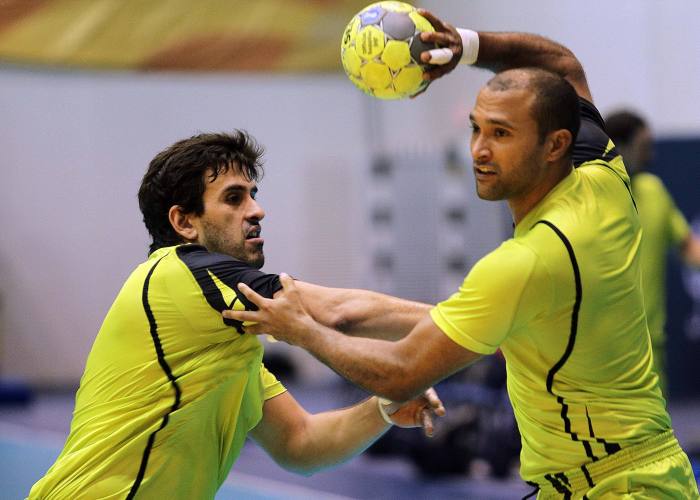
489, 304
218, 276
271, 386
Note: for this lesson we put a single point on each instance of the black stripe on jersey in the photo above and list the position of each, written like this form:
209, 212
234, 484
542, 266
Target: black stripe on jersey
168, 372
589, 450
574, 315
587, 475
610, 448
230, 271
559, 486
572, 333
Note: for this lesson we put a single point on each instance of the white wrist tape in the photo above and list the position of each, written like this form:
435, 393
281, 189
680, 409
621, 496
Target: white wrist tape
470, 45
382, 411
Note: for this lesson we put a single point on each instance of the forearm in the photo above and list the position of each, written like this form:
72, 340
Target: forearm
362, 312
502, 51
333, 437
380, 367
374, 315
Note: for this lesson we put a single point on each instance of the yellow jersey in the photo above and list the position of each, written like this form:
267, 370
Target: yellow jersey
664, 227
170, 390
563, 301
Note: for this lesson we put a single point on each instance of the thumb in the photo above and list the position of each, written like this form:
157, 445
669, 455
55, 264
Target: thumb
287, 282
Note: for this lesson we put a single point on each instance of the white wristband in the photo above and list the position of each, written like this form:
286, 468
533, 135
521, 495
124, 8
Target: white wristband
380, 404
470, 45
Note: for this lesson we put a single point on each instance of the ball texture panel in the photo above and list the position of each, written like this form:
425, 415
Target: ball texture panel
380, 50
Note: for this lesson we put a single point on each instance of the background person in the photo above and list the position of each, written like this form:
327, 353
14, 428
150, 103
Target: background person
663, 225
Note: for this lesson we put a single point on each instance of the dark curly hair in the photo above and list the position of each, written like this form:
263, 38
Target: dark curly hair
179, 174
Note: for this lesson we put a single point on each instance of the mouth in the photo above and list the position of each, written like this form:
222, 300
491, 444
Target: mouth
484, 171
253, 235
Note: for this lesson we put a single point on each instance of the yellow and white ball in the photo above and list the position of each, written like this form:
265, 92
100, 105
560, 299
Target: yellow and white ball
381, 48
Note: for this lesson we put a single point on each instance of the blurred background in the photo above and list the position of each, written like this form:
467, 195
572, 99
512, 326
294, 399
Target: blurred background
358, 192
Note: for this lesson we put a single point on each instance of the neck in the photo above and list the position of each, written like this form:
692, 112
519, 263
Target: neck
522, 205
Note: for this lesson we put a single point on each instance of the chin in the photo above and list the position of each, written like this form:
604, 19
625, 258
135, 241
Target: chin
488, 196
256, 261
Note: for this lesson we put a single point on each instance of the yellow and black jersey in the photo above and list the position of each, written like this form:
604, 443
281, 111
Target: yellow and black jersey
563, 301
170, 389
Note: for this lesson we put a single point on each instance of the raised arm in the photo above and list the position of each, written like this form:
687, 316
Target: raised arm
502, 51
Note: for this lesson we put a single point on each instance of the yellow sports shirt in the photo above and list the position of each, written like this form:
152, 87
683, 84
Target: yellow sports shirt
664, 227
170, 390
563, 301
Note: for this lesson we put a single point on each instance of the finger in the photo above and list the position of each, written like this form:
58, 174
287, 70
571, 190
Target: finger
433, 398
437, 23
434, 73
435, 402
426, 423
287, 282
438, 56
443, 39
251, 294
241, 315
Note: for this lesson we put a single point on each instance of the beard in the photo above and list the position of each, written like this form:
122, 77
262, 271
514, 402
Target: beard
520, 180
218, 241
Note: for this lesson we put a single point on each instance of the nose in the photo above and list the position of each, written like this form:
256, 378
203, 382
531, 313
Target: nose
480, 150
255, 210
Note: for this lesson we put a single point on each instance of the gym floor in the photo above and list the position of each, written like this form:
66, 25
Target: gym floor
31, 436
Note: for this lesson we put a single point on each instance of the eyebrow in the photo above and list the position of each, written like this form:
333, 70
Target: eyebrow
238, 188
494, 121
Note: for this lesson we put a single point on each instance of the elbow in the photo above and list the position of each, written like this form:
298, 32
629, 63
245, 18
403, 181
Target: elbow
342, 317
401, 394
571, 67
401, 386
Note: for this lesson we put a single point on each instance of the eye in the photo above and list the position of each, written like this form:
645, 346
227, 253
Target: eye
474, 127
234, 198
254, 194
501, 132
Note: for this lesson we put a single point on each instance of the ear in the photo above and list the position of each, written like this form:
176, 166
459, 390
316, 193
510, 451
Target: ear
558, 143
182, 223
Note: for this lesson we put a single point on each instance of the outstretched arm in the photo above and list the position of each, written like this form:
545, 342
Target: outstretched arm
502, 51
306, 443
361, 312
395, 370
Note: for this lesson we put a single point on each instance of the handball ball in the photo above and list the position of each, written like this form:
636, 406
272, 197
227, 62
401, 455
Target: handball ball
381, 48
